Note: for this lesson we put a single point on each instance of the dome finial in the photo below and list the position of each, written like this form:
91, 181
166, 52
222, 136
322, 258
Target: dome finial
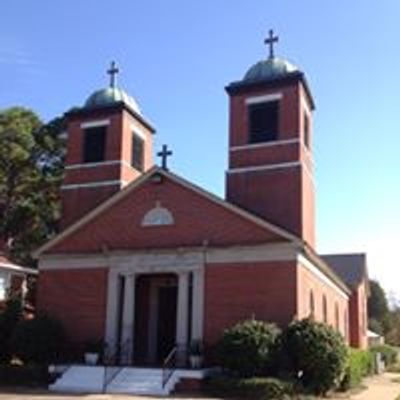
270, 41
113, 71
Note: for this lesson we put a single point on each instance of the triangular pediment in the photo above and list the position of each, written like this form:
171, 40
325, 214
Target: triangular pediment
162, 210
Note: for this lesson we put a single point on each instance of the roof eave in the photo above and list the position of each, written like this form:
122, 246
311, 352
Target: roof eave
237, 87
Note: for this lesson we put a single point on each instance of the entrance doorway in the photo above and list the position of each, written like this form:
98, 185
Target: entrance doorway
155, 318
166, 321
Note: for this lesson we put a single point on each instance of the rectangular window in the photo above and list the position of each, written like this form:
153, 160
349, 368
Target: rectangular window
306, 130
263, 121
94, 147
137, 159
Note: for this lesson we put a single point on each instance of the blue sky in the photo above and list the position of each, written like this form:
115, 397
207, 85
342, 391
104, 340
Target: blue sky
176, 57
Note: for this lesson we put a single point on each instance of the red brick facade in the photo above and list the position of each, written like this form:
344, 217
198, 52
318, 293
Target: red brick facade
284, 167
236, 292
77, 298
196, 221
78, 199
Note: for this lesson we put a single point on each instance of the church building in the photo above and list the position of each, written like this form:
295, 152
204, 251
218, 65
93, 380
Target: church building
148, 261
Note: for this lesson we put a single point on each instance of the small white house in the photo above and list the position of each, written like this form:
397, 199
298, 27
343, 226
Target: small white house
13, 278
374, 339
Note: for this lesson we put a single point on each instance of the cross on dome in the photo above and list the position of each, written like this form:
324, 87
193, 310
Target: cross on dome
164, 154
113, 71
270, 41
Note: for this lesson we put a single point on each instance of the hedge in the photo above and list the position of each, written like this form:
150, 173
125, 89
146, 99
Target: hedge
23, 375
247, 349
360, 365
314, 355
389, 353
250, 388
39, 340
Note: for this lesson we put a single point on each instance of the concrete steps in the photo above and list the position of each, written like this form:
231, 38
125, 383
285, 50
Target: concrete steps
80, 379
90, 379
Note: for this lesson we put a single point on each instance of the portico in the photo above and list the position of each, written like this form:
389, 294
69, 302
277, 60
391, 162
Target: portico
155, 302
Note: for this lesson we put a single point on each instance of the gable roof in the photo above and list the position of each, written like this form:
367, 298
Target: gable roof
237, 211
351, 268
8, 265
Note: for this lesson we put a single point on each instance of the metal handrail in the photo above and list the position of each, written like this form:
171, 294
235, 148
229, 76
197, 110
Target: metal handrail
111, 362
169, 366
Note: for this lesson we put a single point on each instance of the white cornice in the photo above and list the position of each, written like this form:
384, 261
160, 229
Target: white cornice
116, 182
98, 164
293, 164
310, 266
272, 143
140, 259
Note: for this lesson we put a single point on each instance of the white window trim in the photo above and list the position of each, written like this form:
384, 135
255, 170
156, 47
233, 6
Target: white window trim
264, 99
138, 132
95, 124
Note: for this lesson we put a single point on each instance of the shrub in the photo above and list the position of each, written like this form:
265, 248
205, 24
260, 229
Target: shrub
314, 354
389, 353
360, 364
23, 375
252, 388
246, 349
39, 340
8, 321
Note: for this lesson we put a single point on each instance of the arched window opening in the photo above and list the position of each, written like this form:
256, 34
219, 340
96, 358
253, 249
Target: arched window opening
325, 309
312, 304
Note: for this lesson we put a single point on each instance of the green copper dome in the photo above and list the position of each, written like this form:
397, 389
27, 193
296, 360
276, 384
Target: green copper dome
272, 68
110, 96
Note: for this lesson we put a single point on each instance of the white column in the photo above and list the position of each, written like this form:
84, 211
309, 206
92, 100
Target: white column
112, 312
198, 305
182, 314
128, 318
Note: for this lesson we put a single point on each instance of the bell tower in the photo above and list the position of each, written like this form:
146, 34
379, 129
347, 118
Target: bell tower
270, 145
109, 144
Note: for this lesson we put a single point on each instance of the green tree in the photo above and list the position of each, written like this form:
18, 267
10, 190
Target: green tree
31, 169
378, 307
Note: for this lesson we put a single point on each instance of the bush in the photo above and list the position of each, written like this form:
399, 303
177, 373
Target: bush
314, 354
39, 340
23, 375
252, 388
8, 321
389, 353
360, 364
246, 349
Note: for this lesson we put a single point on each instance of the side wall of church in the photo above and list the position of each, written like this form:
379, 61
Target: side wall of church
239, 291
76, 297
358, 317
312, 289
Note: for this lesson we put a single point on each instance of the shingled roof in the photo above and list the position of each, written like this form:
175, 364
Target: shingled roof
351, 268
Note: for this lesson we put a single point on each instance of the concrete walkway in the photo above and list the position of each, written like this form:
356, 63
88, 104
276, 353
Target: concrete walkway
381, 387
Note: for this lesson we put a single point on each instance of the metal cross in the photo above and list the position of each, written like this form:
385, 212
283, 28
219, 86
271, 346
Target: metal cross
270, 41
113, 71
164, 154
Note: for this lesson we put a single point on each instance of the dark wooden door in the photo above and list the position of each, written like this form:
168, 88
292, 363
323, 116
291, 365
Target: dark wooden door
166, 321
